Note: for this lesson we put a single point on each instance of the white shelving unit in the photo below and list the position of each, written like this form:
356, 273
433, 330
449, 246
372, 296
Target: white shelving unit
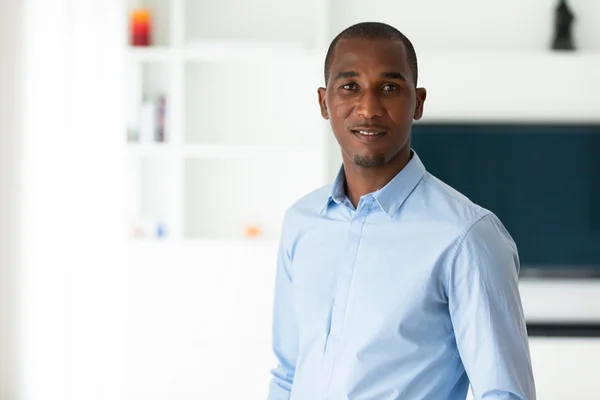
244, 137
240, 78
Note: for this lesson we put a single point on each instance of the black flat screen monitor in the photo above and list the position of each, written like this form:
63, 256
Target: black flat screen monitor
541, 180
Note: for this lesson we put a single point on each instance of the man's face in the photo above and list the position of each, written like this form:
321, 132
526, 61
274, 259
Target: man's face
371, 100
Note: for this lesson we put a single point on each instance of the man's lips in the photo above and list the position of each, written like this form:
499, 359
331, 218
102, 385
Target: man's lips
368, 129
368, 133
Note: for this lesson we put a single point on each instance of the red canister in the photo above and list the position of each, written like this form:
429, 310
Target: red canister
141, 27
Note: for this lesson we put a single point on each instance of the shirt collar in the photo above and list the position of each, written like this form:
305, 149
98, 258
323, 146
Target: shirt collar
392, 195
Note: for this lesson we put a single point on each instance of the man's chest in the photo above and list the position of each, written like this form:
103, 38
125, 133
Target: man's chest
373, 271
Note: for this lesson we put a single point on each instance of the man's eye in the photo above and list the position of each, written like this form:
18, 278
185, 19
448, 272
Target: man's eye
349, 86
390, 88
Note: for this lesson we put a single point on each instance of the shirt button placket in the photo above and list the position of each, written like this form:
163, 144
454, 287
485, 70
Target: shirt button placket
344, 280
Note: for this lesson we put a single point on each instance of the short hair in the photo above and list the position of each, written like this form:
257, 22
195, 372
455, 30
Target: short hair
373, 31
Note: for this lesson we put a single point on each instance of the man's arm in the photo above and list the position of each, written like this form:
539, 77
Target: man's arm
487, 315
285, 330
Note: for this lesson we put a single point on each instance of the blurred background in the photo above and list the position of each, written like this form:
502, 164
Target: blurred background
148, 150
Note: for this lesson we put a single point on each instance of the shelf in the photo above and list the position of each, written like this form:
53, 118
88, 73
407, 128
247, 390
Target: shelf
151, 54
152, 150
247, 152
223, 197
147, 82
217, 50
222, 50
218, 151
152, 200
148, 244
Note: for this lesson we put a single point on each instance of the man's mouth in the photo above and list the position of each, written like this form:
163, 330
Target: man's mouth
368, 133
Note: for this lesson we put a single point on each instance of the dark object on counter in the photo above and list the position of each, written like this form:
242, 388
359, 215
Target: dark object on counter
583, 329
563, 22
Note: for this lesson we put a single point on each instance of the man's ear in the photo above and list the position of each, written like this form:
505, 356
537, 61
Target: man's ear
322, 102
421, 96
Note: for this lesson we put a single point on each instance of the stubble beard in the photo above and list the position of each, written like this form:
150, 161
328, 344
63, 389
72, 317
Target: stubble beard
369, 161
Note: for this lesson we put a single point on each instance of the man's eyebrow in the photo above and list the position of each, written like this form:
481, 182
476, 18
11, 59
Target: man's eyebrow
346, 75
385, 75
393, 75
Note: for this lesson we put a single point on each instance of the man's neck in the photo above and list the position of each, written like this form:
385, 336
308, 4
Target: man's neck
364, 180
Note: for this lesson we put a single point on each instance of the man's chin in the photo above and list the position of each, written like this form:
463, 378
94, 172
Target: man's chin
369, 160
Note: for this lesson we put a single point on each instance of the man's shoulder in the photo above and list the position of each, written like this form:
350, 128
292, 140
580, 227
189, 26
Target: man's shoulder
302, 212
311, 204
453, 208
450, 206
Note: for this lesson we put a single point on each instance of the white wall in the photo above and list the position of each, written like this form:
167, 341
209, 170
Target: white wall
472, 25
10, 130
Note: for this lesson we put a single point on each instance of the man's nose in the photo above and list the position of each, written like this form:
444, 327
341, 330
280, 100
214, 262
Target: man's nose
369, 105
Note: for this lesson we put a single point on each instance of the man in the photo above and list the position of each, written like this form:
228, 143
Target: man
390, 284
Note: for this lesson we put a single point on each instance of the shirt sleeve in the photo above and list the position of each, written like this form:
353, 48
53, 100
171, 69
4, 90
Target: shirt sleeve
487, 314
285, 330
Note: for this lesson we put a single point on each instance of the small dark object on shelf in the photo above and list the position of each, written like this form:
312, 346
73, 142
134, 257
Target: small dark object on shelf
563, 22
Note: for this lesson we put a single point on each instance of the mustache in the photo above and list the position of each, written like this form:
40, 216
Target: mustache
367, 124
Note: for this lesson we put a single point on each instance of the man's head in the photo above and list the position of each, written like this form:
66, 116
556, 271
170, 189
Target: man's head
370, 94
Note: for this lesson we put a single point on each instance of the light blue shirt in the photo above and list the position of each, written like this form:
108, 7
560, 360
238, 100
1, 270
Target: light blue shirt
411, 296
